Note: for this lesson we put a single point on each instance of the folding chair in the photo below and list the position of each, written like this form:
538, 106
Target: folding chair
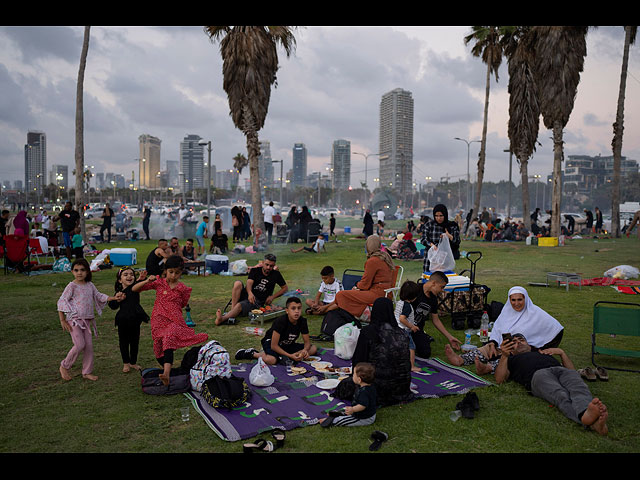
313, 231
282, 233
16, 253
35, 249
393, 292
614, 319
350, 277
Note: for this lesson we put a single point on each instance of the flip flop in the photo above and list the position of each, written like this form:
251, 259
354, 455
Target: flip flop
378, 438
602, 374
258, 445
279, 436
588, 373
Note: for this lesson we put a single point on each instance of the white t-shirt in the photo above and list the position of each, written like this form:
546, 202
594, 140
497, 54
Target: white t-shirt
381, 215
269, 212
330, 290
183, 213
318, 245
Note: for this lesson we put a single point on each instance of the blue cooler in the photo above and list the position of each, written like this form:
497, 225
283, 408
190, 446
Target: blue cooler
347, 229
216, 263
121, 257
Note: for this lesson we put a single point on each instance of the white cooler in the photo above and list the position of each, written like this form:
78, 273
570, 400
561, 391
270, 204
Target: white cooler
123, 256
217, 263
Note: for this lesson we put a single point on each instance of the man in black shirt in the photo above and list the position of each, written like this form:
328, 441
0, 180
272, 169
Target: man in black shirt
258, 292
69, 220
557, 383
157, 257
107, 215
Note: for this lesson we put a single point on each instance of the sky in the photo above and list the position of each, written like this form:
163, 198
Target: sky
167, 82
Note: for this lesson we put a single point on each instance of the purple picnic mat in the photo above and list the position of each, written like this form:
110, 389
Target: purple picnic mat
291, 402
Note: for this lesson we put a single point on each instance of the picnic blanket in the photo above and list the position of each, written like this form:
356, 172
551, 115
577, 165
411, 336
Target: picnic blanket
296, 401
605, 281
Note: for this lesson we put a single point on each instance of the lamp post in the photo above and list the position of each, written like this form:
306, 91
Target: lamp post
208, 144
366, 158
510, 169
280, 162
468, 174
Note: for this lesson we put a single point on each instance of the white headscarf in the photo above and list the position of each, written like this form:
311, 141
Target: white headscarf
537, 326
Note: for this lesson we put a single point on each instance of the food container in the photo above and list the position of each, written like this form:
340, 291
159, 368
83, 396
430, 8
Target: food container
548, 241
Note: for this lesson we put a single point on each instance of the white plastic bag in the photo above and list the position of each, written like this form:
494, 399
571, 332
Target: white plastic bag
441, 257
260, 375
622, 271
239, 267
346, 338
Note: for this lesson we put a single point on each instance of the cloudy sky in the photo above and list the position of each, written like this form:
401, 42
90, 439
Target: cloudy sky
167, 82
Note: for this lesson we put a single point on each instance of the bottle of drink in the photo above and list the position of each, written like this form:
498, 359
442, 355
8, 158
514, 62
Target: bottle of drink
484, 328
467, 337
254, 330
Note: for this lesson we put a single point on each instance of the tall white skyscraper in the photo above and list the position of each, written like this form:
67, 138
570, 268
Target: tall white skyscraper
265, 166
396, 141
35, 162
341, 164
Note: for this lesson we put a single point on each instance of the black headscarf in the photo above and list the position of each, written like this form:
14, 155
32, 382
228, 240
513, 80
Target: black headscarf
382, 312
440, 208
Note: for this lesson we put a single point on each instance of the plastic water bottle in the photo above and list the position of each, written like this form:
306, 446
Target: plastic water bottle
467, 337
484, 328
254, 330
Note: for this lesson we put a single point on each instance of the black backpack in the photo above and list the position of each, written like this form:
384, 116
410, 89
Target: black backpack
152, 385
225, 392
335, 319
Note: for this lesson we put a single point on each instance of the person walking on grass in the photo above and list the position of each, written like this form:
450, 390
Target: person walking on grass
76, 308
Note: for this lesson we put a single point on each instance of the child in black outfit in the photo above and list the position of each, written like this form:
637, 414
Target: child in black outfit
362, 412
129, 317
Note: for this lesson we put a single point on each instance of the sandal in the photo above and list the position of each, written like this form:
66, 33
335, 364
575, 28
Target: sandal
279, 436
378, 438
261, 445
588, 373
602, 374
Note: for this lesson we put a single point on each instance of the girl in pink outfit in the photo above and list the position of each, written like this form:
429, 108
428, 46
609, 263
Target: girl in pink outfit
76, 310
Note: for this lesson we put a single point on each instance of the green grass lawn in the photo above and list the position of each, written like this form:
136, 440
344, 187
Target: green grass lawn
42, 413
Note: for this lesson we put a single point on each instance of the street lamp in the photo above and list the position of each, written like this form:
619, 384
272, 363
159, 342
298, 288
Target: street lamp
366, 158
280, 162
468, 175
208, 144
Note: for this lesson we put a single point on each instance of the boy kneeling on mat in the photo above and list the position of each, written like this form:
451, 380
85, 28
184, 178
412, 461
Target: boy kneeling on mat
279, 342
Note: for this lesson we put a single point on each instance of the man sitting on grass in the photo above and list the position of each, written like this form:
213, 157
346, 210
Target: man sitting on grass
261, 283
546, 378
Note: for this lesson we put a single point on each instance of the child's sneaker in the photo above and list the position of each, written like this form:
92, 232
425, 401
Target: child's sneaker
245, 353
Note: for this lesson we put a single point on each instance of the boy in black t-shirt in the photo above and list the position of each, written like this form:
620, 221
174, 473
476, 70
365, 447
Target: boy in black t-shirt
279, 342
427, 304
258, 292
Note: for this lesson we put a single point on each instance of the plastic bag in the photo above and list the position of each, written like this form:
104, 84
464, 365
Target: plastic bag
624, 272
239, 267
441, 257
346, 338
260, 375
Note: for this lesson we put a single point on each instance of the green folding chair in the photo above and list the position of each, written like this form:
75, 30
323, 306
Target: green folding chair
614, 319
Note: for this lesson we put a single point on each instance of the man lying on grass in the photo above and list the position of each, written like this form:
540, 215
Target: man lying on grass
546, 378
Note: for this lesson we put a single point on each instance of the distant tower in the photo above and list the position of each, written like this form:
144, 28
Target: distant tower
396, 141
192, 163
299, 165
35, 162
341, 164
149, 164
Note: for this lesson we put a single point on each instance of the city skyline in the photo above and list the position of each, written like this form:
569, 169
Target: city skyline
329, 89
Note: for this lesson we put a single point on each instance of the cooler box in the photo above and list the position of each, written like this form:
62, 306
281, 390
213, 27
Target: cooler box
121, 257
347, 229
325, 236
548, 241
217, 263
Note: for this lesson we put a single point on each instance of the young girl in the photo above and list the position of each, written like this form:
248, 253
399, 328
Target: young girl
168, 327
75, 308
129, 317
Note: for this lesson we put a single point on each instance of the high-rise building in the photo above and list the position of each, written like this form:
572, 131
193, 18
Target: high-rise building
192, 163
341, 164
100, 180
149, 163
173, 170
265, 166
396, 141
35, 161
299, 165
59, 176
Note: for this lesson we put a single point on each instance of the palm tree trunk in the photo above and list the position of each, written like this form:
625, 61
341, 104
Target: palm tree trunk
618, 128
483, 144
253, 149
79, 151
524, 176
556, 199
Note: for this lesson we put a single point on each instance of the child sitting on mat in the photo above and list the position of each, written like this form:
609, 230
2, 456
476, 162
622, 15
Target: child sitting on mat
329, 286
362, 412
169, 330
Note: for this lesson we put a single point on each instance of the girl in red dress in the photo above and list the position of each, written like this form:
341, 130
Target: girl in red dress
169, 330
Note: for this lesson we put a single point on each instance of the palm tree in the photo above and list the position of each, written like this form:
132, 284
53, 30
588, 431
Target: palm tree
488, 46
79, 151
630, 38
559, 59
239, 162
524, 108
250, 63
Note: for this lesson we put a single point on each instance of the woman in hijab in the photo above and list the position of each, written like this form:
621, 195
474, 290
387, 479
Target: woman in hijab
21, 224
383, 344
377, 276
519, 316
367, 221
435, 229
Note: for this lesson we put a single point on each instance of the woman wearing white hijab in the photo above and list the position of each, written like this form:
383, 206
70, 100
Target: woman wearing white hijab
519, 315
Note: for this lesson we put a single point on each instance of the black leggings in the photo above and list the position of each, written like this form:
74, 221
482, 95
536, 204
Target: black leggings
128, 339
166, 358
